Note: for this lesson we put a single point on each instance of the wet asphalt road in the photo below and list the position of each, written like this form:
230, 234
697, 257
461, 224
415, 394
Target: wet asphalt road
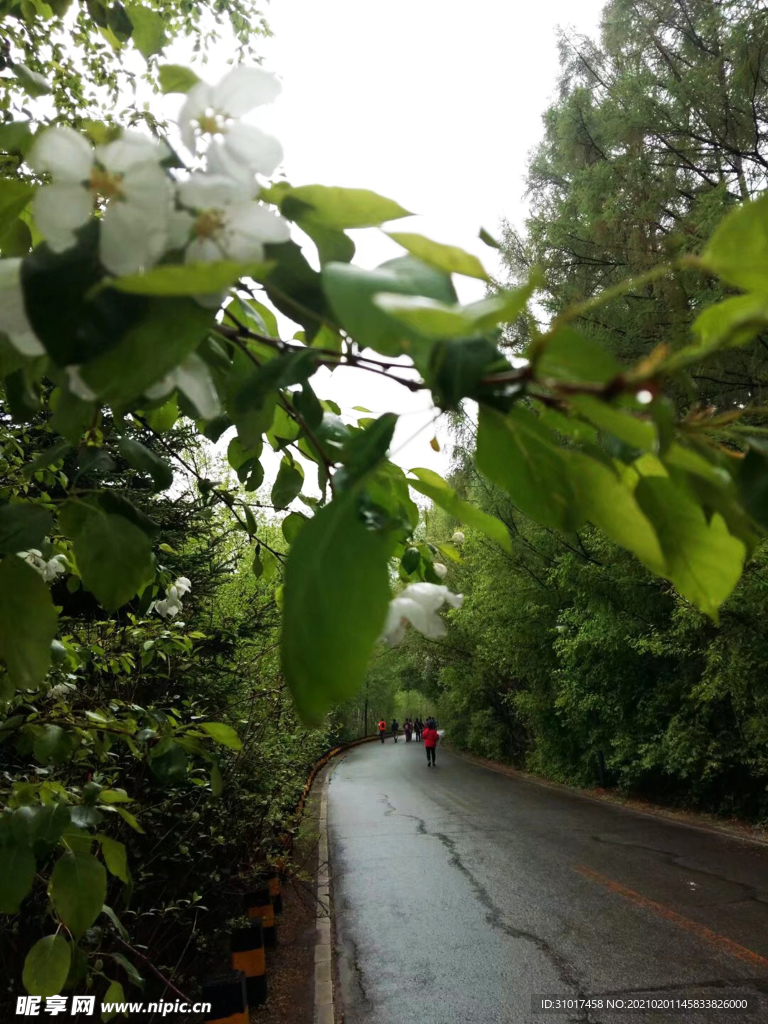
460, 892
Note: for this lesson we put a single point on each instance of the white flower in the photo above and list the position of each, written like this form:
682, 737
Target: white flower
126, 174
458, 537
193, 379
440, 569
13, 313
77, 385
227, 224
170, 606
50, 569
419, 604
211, 112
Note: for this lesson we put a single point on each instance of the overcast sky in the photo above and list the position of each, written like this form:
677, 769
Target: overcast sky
433, 103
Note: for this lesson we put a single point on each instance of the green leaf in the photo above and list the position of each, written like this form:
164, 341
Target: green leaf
437, 319
364, 449
171, 330
176, 78
569, 356
335, 604
17, 872
519, 455
129, 969
222, 733
115, 857
114, 994
292, 524
148, 30
608, 503
119, 926
217, 782
14, 138
28, 623
738, 250
47, 457
457, 368
339, 207
78, 888
169, 764
23, 526
290, 479
428, 317
129, 819
114, 796
448, 258
114, 556
433, 486
188, 279
145, 461
488, 239
728, 324
638, 433
352, 290
46, 966
701, 558
14, 197
32, 83
52, 745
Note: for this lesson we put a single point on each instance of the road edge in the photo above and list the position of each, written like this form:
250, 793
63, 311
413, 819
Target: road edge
325, 1012
657, 812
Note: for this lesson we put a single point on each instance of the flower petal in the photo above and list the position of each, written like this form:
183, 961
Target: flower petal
199, 98
252, 147
204, 250
132, 149
222, 162
179, 229
63, 152
194, 378
259, 222
133, 237
242, 89
13, 313
58, 210
213, 191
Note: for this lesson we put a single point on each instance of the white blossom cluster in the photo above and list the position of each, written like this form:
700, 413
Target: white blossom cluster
212, 214
419, 604
49, 569
171, 605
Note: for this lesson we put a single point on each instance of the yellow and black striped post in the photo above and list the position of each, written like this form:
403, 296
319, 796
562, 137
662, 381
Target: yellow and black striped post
228, 999
258, 906
273, 880
247, 950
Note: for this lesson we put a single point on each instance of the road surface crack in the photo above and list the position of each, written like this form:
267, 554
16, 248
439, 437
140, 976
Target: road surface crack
495, 919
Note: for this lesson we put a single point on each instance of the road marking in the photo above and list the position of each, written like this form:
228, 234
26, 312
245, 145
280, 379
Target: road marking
724, 944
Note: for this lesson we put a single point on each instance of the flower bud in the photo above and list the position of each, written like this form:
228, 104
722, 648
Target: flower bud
458, 537
440, 569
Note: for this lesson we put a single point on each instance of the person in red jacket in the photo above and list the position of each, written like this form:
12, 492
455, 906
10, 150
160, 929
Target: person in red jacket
382, 730
430, 737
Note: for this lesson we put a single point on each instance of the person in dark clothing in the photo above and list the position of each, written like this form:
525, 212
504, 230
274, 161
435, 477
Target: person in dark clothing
395, 728
430, 741
418, 726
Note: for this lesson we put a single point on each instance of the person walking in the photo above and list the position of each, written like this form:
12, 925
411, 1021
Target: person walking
408, 730
382, 730
431, 737
395, 728
418, 725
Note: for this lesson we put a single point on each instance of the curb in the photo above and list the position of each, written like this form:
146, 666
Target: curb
325, 1012
324, 1007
